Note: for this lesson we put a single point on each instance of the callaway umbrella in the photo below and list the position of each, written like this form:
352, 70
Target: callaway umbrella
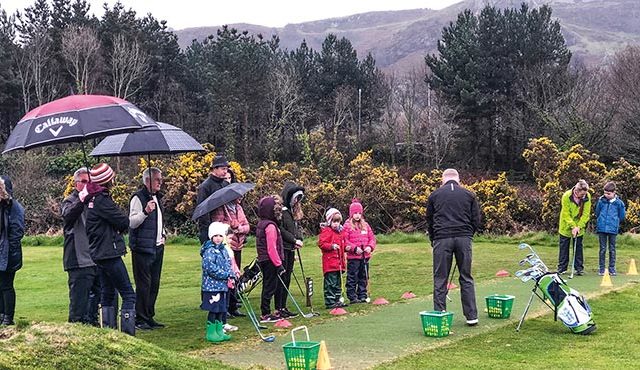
157, 139
75, 119
221, 197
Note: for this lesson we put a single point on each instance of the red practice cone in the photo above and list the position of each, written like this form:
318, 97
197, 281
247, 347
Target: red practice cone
338, 311
451, 286
502, 273
282, 323
380, 301
408, 295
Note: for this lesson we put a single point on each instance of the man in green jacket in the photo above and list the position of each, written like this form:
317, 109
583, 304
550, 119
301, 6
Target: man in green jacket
574, 214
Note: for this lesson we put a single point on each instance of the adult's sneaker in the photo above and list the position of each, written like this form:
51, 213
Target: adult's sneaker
269, 318
286, 314
472, 322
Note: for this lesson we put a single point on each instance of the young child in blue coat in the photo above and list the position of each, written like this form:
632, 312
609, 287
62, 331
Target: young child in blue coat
216, 272
610, 212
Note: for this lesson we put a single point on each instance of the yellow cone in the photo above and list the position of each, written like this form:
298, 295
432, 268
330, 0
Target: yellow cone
606, 279
632, 268
324, 363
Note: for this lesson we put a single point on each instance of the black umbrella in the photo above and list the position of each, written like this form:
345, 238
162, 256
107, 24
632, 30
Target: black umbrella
157, 139
221, 197
75, 119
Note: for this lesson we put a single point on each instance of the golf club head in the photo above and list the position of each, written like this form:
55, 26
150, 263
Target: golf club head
269, 338
367, 300
341, 299
524, 246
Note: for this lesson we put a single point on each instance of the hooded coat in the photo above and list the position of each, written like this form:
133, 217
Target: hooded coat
11, 228
216, 267
289, 227
332, 259
609, 215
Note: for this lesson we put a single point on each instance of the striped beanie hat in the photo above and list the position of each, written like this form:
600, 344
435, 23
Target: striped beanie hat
101, 174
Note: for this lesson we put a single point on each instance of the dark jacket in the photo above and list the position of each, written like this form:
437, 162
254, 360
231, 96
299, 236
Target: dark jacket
76, 244
105, 224
11, 229
609, 215
142, 239
452, 211
267, 217
208, 187
289, 228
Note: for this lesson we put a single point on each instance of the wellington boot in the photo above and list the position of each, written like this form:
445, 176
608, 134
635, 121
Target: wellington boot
212, 332
109, 317
128, 321
220, 330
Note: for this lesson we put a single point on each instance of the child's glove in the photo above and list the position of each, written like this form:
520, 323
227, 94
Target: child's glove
281, 270
367, 249
230, 283
358, 250
347, 248
299, 243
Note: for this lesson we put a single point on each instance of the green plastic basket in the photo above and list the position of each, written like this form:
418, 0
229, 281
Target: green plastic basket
436, 323
499, 306
301, 355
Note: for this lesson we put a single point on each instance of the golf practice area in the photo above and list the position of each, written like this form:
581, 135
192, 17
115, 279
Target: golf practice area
405, 333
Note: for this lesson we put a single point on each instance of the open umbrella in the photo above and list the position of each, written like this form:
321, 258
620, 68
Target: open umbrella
221, 197
162, 138
75, 119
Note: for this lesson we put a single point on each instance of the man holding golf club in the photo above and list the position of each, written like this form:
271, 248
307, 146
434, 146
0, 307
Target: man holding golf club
574, 215
453, 216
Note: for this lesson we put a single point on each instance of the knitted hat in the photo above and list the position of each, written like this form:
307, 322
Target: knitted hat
102, 173
355, 207
218, 228
330, 213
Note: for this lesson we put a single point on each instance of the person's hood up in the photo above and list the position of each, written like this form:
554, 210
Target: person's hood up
289, 192
6, 192
268, 208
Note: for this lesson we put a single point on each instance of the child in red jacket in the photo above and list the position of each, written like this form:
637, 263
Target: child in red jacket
331, 242
360, 242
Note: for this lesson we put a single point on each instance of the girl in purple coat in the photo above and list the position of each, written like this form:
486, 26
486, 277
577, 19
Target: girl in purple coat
360, 243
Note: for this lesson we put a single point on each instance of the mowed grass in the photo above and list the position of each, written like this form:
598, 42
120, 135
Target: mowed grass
401, 263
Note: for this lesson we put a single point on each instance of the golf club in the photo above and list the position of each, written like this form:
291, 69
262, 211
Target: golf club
302, 293
453, 272
254, 320
308, 283
573, 257
341, 279
366, 274
305, 315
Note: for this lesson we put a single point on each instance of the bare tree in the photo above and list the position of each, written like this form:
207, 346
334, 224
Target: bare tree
390, 115
37, 72
624, 85
81, 50
412, 98
341, 110
129, 67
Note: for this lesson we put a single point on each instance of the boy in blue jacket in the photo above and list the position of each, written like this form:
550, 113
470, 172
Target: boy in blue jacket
610, 212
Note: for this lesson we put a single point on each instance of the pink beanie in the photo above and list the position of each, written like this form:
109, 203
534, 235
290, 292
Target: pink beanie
101, 174
355, 207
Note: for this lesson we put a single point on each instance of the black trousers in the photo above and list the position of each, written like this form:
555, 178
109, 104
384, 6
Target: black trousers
271, 286
443, 252
115, 279
357, 273
7, 293
84, 295
563, 254
147, 269
287, 263
233, 295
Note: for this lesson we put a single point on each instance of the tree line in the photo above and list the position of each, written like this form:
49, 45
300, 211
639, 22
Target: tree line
500, 77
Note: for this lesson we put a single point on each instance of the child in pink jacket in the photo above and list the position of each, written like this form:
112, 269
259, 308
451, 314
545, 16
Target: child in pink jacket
360, 243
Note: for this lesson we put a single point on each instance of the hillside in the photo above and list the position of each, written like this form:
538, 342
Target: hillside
593, 29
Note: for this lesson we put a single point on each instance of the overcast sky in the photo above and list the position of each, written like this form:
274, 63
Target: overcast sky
273, 13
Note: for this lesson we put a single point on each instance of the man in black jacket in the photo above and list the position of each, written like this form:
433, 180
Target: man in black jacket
453, 216
84, 285
215, 181
146, 241
105, 225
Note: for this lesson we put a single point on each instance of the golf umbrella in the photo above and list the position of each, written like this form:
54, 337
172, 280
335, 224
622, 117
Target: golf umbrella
157, 139
75, 119
221, 197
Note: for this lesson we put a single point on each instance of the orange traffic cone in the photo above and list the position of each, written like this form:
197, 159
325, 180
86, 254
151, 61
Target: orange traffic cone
606, 279
632, 268
324, 363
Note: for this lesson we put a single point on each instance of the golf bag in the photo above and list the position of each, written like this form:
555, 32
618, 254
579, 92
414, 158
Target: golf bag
251, 276
567, 304
570, 306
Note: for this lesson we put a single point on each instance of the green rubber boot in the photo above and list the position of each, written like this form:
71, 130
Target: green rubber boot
221, 332
212, 332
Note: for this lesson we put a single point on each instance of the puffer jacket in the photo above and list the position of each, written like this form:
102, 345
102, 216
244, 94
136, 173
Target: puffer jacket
332, 259
609, 215
11, 228
356, 238
105, 224
227, 214
216, 267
